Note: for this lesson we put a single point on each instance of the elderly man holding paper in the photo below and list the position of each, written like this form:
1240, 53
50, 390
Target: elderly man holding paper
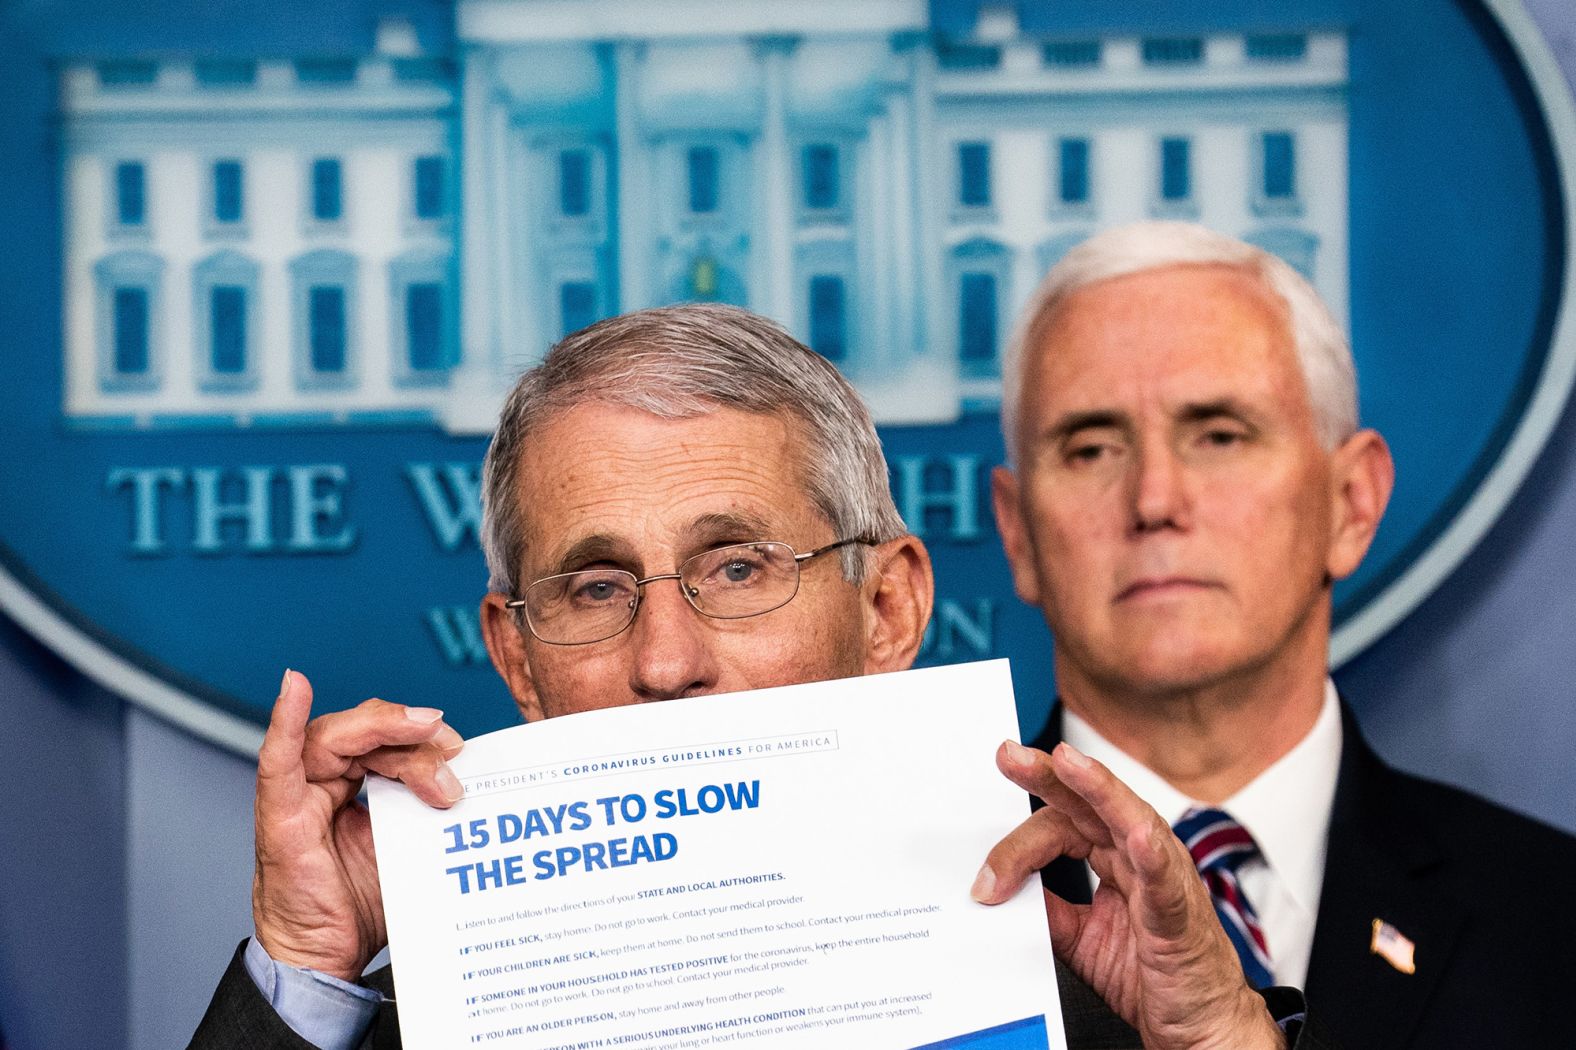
647, 459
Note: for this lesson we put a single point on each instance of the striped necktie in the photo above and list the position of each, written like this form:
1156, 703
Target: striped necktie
1220, 846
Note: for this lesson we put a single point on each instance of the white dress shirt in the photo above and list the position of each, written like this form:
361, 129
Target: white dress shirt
1286, 809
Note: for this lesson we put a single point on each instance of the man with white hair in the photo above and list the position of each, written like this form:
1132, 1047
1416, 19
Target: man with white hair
648, 461
1186, 481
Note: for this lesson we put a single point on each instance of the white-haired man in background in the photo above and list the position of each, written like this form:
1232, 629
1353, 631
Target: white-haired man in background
1186, 481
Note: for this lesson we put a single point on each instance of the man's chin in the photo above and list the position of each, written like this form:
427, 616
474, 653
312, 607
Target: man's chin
1160, 670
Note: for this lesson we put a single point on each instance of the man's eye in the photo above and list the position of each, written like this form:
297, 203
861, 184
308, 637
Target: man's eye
594, 591
1223, 438
741, 569
1089, 452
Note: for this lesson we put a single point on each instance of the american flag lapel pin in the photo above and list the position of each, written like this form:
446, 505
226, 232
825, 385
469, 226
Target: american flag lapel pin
1393, 946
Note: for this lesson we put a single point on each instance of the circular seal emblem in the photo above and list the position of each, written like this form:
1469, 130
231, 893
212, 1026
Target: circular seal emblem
265, 291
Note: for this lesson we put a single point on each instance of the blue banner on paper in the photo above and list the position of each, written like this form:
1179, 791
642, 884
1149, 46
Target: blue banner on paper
1027, 1034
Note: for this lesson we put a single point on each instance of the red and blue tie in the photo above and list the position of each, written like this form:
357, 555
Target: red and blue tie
1220, 846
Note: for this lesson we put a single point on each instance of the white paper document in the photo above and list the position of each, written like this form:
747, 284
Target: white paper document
785, 867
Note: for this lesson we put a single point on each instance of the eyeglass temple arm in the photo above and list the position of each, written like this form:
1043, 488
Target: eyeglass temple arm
807, 555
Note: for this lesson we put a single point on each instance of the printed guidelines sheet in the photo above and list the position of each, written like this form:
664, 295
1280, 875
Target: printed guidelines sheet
786, 867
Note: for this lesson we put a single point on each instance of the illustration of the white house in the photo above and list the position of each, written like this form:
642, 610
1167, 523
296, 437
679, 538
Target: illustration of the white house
393, 236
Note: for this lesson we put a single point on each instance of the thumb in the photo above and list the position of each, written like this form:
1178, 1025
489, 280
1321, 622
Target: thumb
281, 777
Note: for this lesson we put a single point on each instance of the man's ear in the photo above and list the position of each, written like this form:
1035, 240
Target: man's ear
505, 637
898, 595
1362, 475
1004, 499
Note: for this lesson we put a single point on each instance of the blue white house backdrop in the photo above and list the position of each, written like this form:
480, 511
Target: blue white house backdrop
365, 239
275, 264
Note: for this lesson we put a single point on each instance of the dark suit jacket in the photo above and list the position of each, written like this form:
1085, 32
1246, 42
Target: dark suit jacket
1484, 894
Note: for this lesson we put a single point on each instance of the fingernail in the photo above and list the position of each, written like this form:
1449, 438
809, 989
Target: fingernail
284, 683
423, 715
450, 784
1017, 752
1073, 755
984, 887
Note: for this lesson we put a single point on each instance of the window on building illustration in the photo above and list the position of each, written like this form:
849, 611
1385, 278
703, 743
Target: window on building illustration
224, 289
127, 74
228, 200
828, 317
227, 335
325, 70
974, 174
576, 305
1276, 47
821, 190
130, 325
1072, 171
574, 182
131, 201
1279, 159
224, 73
327, 191
424, 326
1176, 174
428, 190
323, 317
1072, 54
1173, 50
959, 56
326, 342
977, 317
703, 164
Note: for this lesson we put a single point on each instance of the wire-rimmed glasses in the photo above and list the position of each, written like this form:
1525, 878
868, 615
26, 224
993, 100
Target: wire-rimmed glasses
728, 583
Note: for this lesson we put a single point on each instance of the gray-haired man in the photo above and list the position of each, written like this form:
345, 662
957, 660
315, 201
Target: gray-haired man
1187, 481
643, 450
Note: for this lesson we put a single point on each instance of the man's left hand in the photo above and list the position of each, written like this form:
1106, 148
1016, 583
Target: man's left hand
1149, 944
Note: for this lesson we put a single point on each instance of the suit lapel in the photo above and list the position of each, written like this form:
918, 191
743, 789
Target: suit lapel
1381, 863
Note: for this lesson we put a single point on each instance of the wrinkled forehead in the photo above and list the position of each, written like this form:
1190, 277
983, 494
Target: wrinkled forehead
1215, 318
1203, 283
610, 474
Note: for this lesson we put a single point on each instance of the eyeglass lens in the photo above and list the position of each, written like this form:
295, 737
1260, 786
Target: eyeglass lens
747, 579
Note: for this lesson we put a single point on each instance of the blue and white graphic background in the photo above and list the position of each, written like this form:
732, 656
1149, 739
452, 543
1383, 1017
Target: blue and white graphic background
501, 173
131, 850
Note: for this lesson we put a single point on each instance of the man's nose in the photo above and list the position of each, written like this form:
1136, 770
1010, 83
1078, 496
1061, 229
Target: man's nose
1160, 492
672, 646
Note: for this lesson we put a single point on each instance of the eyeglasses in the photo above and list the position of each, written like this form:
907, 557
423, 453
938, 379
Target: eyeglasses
729, 583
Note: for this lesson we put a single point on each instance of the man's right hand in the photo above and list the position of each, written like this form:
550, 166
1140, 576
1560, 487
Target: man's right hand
315, 896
